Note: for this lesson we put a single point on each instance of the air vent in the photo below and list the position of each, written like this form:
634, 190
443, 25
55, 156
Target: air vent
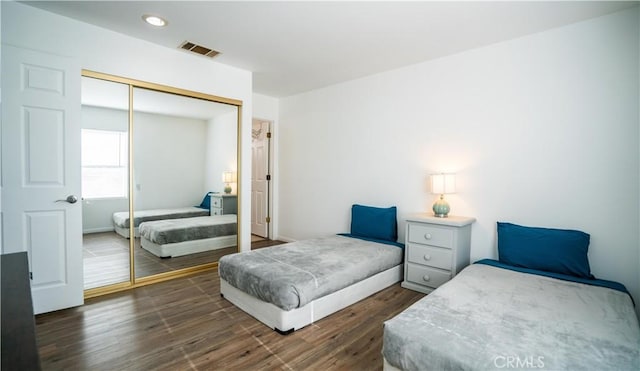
198, 49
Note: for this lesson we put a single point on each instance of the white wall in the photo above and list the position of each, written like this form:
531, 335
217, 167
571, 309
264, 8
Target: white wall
541, 130
265, 107
110, 52
221, 154
100, 118
169, 157
97, 213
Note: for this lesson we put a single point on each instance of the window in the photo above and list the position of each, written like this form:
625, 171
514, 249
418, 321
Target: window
104, 164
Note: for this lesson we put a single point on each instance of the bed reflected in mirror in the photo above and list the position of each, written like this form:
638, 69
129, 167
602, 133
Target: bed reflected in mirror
182, 148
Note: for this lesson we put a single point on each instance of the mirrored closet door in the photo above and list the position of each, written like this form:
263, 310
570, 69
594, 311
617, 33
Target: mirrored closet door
105, 181
183, 146
160, 195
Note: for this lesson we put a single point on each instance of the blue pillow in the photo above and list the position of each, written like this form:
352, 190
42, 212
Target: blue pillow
206, 202
553, 250
374, 222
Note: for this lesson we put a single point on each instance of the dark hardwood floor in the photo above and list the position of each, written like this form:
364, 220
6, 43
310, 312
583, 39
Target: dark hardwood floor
185, 324
265, 243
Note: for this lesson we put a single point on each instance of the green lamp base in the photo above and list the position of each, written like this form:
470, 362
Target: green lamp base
227, 189
441, 208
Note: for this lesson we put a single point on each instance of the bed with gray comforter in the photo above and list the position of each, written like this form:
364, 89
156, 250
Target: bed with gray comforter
292, 275
493, 318
121, 219
163, 232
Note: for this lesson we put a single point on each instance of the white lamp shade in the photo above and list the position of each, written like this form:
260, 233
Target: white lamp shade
443, 183
229, 177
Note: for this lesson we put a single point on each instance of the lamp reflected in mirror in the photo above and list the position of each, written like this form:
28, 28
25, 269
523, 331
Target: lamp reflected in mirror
228, 177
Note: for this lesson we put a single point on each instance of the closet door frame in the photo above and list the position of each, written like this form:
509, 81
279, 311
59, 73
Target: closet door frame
147, 280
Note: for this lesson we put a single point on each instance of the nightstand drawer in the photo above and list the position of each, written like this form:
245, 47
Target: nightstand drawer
216, 202
422, 275
216, 211
430, 235
431, 256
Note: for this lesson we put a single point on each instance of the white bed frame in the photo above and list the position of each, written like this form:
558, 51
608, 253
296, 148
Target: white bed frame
124, 232
286, 322
386, 366
188, 247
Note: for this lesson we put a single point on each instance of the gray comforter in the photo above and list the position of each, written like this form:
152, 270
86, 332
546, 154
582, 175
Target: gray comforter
121, 219
292, 275
163, 232
491, 318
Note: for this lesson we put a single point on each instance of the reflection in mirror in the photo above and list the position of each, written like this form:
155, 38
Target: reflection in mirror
182, 146
105, 190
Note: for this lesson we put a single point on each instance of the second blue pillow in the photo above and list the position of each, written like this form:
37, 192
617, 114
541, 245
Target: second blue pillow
374, 222
553, 250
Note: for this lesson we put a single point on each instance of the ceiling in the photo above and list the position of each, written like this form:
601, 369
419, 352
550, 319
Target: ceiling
293, 47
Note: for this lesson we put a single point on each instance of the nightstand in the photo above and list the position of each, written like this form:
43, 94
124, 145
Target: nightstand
223, 204
436, 249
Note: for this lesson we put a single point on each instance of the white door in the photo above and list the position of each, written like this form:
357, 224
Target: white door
259, 182
40, 165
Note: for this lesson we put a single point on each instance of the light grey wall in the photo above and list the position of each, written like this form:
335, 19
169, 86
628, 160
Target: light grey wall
169, 157
221, 152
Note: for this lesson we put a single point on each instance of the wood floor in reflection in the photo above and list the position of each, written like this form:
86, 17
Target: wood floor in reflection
184, 324
106, 259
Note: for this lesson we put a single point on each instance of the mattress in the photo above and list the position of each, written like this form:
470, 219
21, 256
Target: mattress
121, 219
162, 232
493, 318
290, 276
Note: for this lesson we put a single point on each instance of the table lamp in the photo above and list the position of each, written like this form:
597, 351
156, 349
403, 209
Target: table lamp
442, 184
228, 177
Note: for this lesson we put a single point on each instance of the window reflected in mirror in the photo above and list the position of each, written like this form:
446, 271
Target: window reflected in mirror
105, 181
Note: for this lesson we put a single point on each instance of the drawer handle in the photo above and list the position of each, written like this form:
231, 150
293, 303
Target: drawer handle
427, 257
426, 278
427, 236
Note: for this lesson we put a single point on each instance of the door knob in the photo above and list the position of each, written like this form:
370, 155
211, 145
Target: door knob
70, 199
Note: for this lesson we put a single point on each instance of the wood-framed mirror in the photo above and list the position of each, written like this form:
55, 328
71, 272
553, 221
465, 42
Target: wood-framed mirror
156, 163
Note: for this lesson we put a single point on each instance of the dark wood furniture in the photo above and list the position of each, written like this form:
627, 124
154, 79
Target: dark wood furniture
19, 350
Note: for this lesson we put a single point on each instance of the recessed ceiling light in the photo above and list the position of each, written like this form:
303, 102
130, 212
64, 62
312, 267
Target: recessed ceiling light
154, 20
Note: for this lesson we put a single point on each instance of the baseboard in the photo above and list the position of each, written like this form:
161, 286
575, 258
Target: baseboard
98, 230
